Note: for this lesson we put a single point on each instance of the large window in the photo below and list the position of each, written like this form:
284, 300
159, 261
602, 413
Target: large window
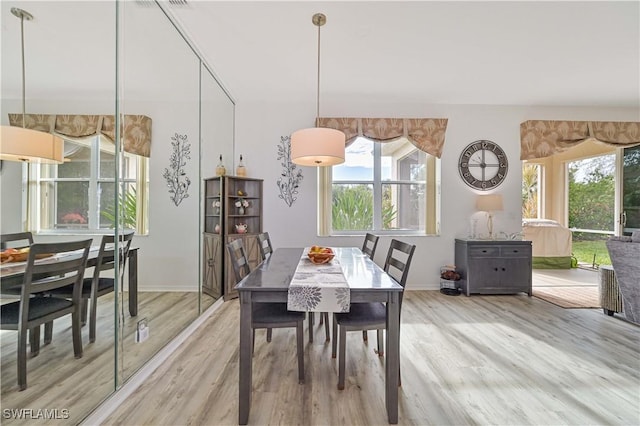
531, 197
381, 187
79, 195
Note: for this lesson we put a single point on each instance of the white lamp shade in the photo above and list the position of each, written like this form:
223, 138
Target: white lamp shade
489, 203
317, 146
20, 144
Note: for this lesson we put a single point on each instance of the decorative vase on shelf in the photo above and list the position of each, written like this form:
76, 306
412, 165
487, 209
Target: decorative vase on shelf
241, 210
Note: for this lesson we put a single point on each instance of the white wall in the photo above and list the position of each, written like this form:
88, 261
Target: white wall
259, 126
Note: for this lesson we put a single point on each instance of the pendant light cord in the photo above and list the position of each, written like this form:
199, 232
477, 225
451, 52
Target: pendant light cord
23, 71
318, 86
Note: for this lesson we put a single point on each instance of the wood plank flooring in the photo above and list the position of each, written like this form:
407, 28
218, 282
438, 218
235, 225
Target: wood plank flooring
56, 380
465, 360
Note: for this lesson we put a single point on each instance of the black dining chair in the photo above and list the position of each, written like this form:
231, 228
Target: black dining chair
268, 315
97, 285
33, 309
371, 316
264, 242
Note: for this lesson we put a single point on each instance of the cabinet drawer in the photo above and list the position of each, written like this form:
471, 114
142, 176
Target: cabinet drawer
515, 251
484, 251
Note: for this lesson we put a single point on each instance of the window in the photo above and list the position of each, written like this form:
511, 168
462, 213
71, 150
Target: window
381, 187
79, 195
531, 196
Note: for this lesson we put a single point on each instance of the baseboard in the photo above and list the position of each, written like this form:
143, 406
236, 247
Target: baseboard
104, 410
423, 286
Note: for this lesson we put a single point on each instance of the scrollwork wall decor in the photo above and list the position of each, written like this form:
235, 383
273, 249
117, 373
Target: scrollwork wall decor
290, 178
176, 177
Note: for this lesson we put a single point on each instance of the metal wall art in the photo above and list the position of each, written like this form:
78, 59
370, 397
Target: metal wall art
176, 177
291, 176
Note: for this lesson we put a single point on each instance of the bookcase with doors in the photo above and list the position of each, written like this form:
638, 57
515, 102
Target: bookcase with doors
232, 210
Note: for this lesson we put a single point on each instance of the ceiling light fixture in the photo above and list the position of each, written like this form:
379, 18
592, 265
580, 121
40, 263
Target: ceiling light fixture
20, 143
317, 146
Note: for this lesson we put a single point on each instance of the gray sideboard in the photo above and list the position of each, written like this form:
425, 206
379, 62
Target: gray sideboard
494, 266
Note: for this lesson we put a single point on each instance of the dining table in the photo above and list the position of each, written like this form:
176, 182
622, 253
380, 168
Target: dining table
270, 281
12, 274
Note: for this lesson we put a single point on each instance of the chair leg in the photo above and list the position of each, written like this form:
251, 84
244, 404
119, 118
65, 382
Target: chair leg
311, 321
334, 342
93, 319
341, 357
22, 359
365, 335
84, 308
380, 344
325, 315
269, 334
76, 331
48, 332
300, 350
34, 340
253, 340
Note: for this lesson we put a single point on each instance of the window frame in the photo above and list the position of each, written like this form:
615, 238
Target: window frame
432, 193
39, 206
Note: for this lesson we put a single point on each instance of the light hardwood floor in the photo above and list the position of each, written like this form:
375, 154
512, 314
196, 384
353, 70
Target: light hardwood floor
465, 360
56, 380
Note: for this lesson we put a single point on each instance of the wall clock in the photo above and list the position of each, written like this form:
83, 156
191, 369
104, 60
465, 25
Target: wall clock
483, 165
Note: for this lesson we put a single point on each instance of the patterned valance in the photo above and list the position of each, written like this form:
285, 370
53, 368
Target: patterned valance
427, 134
136, 132
542, 138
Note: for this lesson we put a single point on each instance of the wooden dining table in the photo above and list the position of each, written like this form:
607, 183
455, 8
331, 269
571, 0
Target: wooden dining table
12, 274
269, 282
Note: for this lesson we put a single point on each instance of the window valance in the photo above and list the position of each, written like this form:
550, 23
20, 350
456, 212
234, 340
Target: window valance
426, 134
136, 132
542, 138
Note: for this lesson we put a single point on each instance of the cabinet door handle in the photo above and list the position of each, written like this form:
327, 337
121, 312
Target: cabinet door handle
515, 251
495, 269
484, 251
503, 269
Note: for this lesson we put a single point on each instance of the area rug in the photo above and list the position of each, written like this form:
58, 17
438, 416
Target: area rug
570, 297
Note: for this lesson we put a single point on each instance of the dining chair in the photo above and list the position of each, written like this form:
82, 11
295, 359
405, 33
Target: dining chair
96, 285
23, 239
34, 309
371, 316
369, 246
19, 240
264, 314
264, 242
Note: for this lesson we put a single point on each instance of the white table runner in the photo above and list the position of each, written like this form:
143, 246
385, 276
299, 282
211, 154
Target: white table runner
320, 288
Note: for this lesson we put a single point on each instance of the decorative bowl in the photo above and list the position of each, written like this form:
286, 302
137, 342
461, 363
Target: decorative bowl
320, 257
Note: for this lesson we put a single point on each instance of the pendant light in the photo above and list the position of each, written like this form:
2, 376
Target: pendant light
20, 143
317, 146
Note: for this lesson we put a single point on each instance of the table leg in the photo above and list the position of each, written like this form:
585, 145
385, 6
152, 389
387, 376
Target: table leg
133, 282
393, 357
244, 388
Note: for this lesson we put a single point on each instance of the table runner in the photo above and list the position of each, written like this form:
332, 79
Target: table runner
320, 288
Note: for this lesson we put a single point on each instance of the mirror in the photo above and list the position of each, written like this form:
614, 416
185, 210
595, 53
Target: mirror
71, 69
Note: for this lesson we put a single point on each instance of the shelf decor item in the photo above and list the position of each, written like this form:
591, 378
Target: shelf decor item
241, 204
241, 228
241, 170
220, 170
216, 206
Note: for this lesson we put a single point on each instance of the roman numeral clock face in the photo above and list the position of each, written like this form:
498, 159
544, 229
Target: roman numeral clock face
483, 165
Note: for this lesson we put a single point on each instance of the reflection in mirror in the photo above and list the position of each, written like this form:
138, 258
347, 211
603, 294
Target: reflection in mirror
217, 140
63, 76
160, 75
161, 78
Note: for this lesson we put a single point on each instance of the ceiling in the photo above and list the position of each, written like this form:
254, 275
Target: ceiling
497, 53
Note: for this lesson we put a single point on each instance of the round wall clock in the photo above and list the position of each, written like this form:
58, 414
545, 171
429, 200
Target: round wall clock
483, 165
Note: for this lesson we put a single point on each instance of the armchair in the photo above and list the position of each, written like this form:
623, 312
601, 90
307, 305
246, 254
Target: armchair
625, 258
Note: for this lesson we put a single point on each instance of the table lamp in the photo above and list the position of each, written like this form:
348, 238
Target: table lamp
489, 203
